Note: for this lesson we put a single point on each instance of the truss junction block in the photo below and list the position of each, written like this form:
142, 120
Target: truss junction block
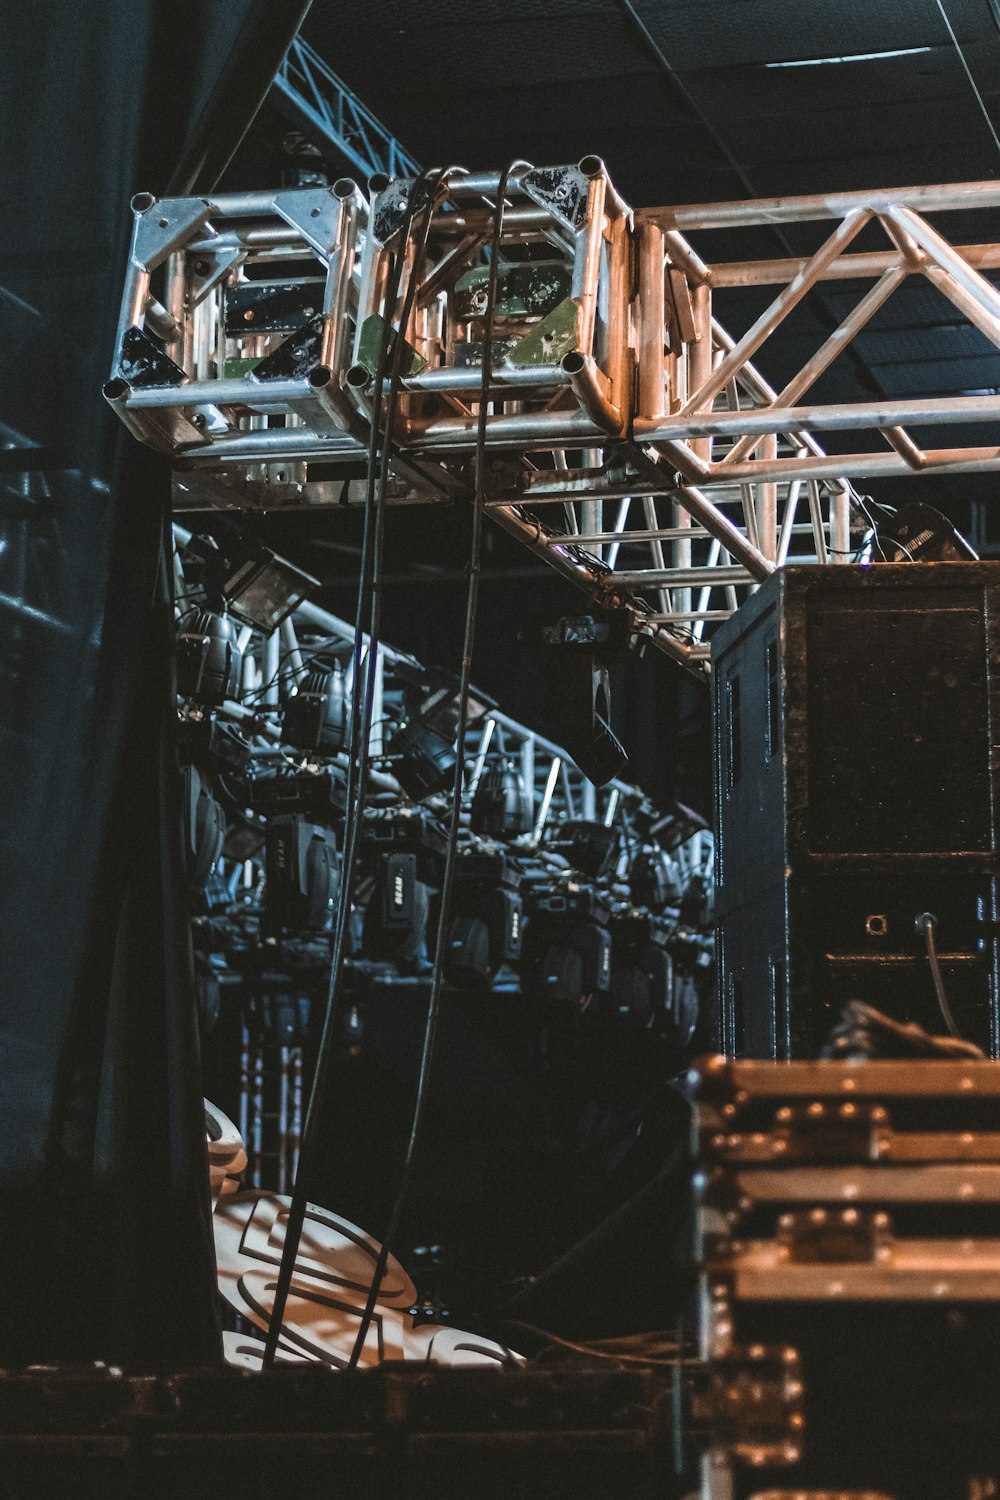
631, 440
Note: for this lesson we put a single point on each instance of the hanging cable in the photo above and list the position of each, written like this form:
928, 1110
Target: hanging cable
444, 914
926, 924
981, 102
362, 713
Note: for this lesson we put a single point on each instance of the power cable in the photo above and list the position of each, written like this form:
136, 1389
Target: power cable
471, 609
968, 73
926, 924
362, 712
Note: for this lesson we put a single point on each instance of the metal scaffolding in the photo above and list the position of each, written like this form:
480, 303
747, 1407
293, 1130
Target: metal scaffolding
335, 112
633, 442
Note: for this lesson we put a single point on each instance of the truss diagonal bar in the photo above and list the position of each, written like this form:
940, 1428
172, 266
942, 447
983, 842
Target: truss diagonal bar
947, 257
828, 352
331, 108
789, 297
719, 525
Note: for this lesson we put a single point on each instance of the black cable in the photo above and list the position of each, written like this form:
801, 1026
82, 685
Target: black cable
308, 654
444, 913
362, 711
926, 923
594, 1350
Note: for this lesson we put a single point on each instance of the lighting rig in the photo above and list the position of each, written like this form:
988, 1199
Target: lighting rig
564, 894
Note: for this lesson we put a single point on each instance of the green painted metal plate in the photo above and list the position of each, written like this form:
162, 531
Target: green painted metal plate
549, 340
371, 340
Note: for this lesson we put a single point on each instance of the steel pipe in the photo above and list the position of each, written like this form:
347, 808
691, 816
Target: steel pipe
948, 198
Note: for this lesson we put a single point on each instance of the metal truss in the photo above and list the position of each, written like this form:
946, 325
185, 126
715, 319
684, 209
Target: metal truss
337, 114
632, 440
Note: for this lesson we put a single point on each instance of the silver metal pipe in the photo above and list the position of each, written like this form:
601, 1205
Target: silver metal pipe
719, 525
860, 266
591, 388
652, 321
828, 351
272, 659
968, 305
948, 258
947, 198
789, 296
919, 411
831, 468
276, 443
547, 429
675, 577
546, 802
684, 257
504, 378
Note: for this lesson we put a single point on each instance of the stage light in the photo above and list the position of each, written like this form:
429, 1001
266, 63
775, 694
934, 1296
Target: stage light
423, 759
487, 917
395, 925
567, 945
919, 533
586, 643
264, 589
501, 804
316, 714
204, 830
302, 868
654, 879
586, 846
209, 661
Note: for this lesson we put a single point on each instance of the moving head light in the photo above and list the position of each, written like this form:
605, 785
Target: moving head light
567, 945
586, 846
316, 714
487, 917
396, 918
586, 644
501, 804
302, 869
209, 661
204, 830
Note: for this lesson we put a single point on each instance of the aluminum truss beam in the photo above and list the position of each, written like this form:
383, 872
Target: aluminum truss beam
335, 112
671, 494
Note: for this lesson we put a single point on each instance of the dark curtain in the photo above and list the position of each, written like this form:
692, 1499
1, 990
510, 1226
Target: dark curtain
105, 1238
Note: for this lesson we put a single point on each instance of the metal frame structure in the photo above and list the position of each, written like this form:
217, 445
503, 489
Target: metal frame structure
335, 112
633, 442
560, 367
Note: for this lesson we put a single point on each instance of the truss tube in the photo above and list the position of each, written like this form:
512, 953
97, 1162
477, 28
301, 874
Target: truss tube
948, 258
789, 296
950, 197
827, 353
863, 266
719, 525
600, 585
968, 305
541, 430
713, 575
832, 467
926, 411
651, 301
